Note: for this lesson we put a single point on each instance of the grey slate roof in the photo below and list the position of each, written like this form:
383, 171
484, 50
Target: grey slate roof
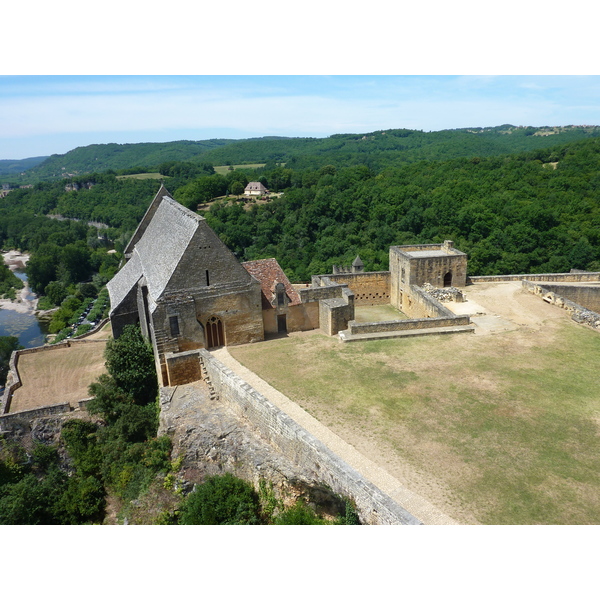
120, 285
155, 248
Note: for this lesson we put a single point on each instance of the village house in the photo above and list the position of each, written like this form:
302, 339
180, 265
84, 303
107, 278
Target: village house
255, 188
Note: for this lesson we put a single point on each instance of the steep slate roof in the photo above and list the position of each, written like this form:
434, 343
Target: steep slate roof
269, 274
155, 249
120, 285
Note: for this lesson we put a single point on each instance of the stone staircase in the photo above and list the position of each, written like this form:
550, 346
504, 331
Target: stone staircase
211, 389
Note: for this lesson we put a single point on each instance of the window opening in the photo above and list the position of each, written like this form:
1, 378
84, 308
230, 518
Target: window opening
174, 324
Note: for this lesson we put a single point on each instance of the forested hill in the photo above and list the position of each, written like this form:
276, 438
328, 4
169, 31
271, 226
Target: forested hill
103, 157
376, 150
537, 211
14, 167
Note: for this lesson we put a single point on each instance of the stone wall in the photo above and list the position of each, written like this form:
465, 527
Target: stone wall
299, 446
408, 324
8, 420
557, 277
585, 296
421, 305
300, 317
182, 367
577, 312
369, 288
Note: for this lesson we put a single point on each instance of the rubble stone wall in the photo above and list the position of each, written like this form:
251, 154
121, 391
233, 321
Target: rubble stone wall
577, 312
585, 296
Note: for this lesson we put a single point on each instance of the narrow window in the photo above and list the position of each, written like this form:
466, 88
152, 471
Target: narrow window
174, 324
280, 289
207, 279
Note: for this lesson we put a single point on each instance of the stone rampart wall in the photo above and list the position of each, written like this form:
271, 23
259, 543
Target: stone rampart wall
6, 421
586, 296
299, 446
369, 288
577, 312
566, 277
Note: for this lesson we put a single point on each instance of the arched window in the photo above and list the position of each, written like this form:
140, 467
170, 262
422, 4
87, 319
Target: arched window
215, 336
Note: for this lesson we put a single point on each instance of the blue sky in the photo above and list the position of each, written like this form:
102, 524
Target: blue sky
42, 115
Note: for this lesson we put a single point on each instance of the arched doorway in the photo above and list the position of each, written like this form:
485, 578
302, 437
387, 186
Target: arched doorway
448, 279
215, 335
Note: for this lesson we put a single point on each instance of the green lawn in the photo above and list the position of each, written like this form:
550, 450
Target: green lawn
223, 169
143, 176
508, 423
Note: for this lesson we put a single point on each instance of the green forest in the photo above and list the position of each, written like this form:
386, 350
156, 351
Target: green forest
527, 212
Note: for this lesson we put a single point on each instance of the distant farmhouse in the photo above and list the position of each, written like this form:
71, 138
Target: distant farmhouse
187, 290
255, 188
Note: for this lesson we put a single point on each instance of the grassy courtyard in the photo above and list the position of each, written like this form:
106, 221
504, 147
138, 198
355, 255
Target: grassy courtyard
494, 429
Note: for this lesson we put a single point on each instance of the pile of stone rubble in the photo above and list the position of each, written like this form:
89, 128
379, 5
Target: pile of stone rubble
449, 294
586, 316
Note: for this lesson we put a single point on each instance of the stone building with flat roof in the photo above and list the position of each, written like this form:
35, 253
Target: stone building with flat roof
440, 265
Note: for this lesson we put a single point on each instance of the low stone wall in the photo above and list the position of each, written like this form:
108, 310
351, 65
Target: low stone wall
13, 380
6, 421
299, 446
182, 367
408, 324
577, 312
586, 296
425, 306
566, 277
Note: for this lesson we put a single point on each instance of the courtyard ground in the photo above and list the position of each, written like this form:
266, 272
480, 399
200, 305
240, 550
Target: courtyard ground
62, 374
500, 426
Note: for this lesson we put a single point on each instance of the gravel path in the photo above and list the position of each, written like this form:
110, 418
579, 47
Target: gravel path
413, 503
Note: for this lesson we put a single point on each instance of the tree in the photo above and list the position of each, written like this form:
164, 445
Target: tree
130, 362
237, 188
8, 344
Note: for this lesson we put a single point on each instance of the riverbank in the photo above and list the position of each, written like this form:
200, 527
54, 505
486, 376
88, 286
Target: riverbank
26, 301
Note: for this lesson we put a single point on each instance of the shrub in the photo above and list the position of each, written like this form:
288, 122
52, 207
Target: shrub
299, 514
222, 500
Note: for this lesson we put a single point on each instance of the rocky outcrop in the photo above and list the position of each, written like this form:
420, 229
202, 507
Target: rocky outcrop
210, 439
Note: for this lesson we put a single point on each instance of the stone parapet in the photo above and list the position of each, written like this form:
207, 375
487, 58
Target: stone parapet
299, 446
578, 313
565, 277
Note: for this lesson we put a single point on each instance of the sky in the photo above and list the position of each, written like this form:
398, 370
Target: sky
42, 115
73, 75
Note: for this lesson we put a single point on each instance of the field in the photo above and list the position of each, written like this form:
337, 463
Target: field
143, 176
223, 169
498, 427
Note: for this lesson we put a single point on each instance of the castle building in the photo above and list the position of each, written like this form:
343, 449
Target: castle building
187, 290
183, 286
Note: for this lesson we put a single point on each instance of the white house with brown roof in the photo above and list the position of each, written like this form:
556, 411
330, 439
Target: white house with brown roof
255, 188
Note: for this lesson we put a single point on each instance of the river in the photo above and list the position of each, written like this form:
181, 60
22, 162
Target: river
23, 325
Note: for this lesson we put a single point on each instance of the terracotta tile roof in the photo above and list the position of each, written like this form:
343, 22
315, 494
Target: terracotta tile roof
269, 274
